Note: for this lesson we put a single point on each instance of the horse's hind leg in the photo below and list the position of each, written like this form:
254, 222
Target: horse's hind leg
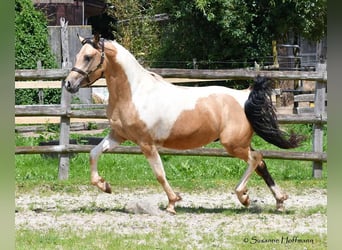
277, 193
241, 189
107, 143
152, 155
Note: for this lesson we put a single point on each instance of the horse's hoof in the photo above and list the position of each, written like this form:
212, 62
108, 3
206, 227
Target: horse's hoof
285, 197
171, 211
246, 201
243, 198
108, 189
103, 186
280, 203
280, 206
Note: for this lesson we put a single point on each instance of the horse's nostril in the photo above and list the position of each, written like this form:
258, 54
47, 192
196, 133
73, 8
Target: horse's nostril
66, 84
69, 87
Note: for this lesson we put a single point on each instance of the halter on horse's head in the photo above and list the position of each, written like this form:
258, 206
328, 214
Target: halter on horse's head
89, 64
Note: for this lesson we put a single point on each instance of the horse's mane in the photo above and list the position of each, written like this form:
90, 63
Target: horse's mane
156, 76
109, 43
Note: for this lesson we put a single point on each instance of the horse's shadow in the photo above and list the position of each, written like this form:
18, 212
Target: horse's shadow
190, 210
180, 210
229, 211
97, 209
83, 209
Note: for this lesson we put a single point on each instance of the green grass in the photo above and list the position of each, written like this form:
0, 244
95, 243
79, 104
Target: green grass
166, 238
69, 239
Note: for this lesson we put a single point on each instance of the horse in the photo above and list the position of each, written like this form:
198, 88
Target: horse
151, 112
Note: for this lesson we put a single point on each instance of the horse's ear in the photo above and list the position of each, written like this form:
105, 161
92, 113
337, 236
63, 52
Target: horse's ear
80, 38
96, 39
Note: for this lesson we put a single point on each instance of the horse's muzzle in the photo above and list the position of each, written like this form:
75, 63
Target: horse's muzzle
69, 87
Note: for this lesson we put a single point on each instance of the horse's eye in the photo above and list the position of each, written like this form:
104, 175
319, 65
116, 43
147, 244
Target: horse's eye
87, 58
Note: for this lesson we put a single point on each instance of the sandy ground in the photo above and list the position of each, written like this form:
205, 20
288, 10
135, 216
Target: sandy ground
142, 211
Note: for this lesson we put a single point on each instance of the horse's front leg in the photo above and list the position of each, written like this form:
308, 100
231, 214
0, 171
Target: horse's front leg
152, 155
276, 191
107, 143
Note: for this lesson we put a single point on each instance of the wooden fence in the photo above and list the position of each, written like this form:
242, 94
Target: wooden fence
67, 111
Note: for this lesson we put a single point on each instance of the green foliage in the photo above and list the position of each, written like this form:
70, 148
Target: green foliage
279, 17
189, 34
215, 33
31, 46
136, 29
210, 31
314, 13
31, 37
31, 96
239, 31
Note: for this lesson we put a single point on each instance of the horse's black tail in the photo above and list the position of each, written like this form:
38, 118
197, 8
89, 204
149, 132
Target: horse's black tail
261, 114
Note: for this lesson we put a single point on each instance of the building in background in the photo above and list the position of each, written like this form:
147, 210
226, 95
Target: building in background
78, 12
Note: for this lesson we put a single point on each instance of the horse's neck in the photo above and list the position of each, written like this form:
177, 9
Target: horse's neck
133, 70
124, 75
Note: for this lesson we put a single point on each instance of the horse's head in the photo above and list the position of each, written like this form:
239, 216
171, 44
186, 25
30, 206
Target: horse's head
89, 65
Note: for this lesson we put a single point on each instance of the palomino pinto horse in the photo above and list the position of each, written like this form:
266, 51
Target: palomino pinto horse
144, 108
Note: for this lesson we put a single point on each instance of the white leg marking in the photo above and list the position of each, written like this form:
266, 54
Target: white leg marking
241, 188
106, 144
279, 196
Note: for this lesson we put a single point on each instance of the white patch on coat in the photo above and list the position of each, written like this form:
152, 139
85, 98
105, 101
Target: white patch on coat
134, 71
106, 143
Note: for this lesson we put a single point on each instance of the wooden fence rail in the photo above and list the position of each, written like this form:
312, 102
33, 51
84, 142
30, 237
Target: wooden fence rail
318, 118
98, 111
240, 74
218, 152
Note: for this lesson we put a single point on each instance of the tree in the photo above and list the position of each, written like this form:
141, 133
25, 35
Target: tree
135, 27
236, 30
214, 32
217, 33
31, 46
31, 37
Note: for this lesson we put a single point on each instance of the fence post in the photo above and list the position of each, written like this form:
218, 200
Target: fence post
318, 127
63, 170
40, 91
